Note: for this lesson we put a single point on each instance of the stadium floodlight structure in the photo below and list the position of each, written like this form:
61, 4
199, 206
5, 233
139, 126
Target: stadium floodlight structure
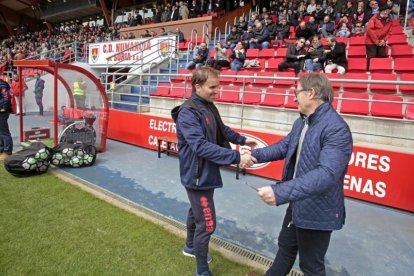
96, 102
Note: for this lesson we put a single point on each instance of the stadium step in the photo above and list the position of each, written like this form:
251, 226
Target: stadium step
125, 106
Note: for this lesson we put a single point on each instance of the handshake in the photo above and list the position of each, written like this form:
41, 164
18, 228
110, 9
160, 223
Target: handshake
246, 159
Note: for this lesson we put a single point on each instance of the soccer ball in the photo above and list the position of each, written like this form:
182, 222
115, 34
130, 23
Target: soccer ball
58, 159
76, 162
42, 166
87, 159
29, 164
80, 153
42, 154
68, 152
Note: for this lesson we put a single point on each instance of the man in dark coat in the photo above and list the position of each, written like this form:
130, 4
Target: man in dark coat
38, 91
6, 141
335, 56
295, 56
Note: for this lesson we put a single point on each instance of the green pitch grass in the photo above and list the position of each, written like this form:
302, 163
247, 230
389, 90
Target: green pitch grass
49, 227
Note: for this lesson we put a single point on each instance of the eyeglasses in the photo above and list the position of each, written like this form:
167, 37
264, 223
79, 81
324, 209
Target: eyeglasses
296, 91
301, 41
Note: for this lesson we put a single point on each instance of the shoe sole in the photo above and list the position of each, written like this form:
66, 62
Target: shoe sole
193, 256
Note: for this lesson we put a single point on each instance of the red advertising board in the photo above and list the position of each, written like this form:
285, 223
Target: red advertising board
374, 175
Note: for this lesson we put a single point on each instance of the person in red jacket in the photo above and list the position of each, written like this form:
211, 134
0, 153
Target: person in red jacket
378, 32
18, 93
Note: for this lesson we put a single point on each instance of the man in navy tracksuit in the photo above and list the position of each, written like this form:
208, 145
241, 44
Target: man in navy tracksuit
6, 141
316, 153
203, 145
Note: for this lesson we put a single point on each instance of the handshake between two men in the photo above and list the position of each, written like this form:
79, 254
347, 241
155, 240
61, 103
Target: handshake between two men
247, 160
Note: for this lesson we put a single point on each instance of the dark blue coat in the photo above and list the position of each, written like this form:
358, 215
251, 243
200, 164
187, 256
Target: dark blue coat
199, 156
316, 194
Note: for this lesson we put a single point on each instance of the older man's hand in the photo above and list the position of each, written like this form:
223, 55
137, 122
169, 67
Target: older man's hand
267, 195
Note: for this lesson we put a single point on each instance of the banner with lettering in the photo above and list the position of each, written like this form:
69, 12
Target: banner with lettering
140, 51
374, 175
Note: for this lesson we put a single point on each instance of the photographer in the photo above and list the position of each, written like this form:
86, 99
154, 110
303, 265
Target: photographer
220, 58
200, 57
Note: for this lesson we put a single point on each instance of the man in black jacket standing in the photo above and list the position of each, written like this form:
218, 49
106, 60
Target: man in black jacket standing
6, 141
335, 56
295, 56
38, 91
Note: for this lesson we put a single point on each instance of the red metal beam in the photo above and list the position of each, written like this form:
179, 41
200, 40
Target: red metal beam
105, 13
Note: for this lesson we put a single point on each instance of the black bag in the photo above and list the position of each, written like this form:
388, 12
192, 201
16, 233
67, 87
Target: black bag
74, 155
33, 160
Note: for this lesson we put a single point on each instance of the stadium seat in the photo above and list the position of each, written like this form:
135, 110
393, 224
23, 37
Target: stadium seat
248, 80
409, 111
390, 110
264, 82
335, 100
267, 53
335, 85
273, 63
402, 51
178, 90
355, 103
344, 40
274, 97
180, 76
357, 65
225, 76
383, 88
357, 52
397, 39
252, 95
357, 41
281, 52
285, 83
291, 100
230, 94
407, 89
252, 53
163, 89
397, 30
404, 65
356, 87
380, 65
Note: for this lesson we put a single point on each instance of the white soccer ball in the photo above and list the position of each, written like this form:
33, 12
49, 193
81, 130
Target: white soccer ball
80, 153
68, 152
58, 159
76, 162
42, 154
42, 166
87, 159
29, 163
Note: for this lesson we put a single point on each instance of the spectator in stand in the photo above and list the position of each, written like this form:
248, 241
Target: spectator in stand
194, 8
131, 21
282, 30
350, 9
301, 9
157, 14
232, 38
292, 18
180, 35
239, 56
273, 7
318, 13
315, 56
312, 25
326, 28
295, 56
329, 11
358, 29
241, 25
344, 28
311, 7
247, 36
200, 56
202, 8
335, 56
252, 20
336, 8
183, 11
166, 14
378, 33
174, 13
373, 9
359, 15
303, 31
260, 39
138, 18
220, 58
19, 93
271, 28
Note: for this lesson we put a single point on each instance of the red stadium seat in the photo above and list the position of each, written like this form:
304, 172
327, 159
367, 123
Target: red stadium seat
357, 41
230, 94
267, 53
285, 83
407, 89
380, 65
354, 103
248, 80
397, 30
335, 85
178, 90
397, 39
291, 100
264, 82
356, 87
404, 65
252, 53
252, 95
335, 100
390, 110
383, 88
409, 111
402, 51
180, 76
344, 40
274, 97
163, 89
225, 76
357, 52
357, 65
273, 63
281, 52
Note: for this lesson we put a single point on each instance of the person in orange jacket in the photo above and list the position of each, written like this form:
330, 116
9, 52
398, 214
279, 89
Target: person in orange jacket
18, 93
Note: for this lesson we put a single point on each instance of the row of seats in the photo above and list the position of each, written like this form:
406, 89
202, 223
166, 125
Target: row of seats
350, 103
250, 78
